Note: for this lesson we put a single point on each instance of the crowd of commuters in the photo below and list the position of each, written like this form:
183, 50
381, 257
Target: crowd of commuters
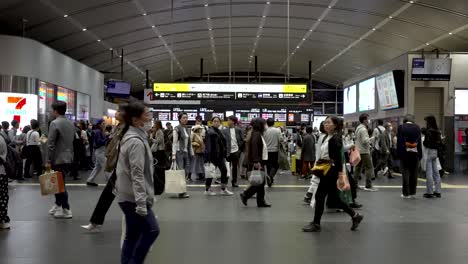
134, 156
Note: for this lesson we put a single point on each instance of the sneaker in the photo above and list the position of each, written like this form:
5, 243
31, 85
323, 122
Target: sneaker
370, 189
437, 195
311, 228
307, 200
63, 213
67, 213
385, 171
226, 192
93, 184
356, 221
184, 195
59, 213
91, 227
243, 199
53, 210
209, 193
5, 226
428, 195
405, 196
355, 205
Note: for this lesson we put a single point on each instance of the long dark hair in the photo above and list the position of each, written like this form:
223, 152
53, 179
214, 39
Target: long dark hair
258, 125
338, 122
431, 122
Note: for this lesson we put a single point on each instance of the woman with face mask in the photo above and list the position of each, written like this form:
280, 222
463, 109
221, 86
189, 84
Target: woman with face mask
134, 186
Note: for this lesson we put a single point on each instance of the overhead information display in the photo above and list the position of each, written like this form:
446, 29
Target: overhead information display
227, 91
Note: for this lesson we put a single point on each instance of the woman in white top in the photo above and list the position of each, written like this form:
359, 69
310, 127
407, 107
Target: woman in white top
34, 156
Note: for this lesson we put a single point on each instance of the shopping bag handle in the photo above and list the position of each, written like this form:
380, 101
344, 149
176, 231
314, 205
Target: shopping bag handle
174, 165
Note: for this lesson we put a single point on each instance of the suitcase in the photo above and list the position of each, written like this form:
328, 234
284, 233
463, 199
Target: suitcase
293, 164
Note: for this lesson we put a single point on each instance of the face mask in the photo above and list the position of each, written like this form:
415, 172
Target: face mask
148, 126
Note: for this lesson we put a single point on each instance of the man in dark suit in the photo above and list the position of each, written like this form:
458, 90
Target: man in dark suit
409, 151
234, 146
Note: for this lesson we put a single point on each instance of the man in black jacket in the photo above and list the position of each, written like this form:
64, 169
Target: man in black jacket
234, 147
410, 153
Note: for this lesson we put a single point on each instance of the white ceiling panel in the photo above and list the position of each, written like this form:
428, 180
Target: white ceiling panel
346, 30
378, 6
416, 32
452, 5
353, 18
433, 17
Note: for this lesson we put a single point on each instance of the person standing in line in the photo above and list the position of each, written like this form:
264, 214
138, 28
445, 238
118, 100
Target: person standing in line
334, 180
134, 186
257, 157
273, 138
378, 155
234, 145
363, 145
112, 152
432, 143
198, 155
60, 146
100, 140
308, 151
5, 133
34, 152
159, 154
410, 153
181, 148
4, 197
13, 132
216, 152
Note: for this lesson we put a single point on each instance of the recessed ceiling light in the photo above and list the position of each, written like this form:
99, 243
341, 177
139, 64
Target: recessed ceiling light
298, 47
373, 29
310, 30
208, 18
411, 2
210, 29
390, 17
427, 44
268, 3
144, 14
98, 40
303, 39
110, 48
263, 16
153, 26
84, 29
319, 19
120, 56
258, 36
450, 33
65, 15
329, 7
206, 5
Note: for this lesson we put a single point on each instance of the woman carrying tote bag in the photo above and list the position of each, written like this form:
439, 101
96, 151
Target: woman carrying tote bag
161, 161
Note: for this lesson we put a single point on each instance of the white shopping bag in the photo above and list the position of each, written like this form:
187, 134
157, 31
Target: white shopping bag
228, 167
314, 182
175, 181
210, 170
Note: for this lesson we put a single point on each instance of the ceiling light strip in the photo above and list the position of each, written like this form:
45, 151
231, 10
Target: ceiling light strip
368, 33
452, 33
266, 11
209, 25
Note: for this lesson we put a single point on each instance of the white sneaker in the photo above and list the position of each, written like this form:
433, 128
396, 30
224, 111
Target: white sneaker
58, 212
5, 226
91, 227
63, 213
67, 213
371, 189
209, 193
53, 210
405, 197
226, 192
385, 170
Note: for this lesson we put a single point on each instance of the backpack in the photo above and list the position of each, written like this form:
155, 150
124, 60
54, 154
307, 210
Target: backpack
13, 162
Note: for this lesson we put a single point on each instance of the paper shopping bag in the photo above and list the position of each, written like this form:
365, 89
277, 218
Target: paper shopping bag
51, 183
175, 181
210, 170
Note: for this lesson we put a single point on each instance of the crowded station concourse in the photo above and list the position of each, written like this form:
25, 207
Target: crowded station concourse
233, 131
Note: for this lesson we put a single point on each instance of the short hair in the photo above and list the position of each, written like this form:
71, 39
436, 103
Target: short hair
309, 130
233, 119
380, 122
181, 114
34, 124
168, 124
60, 107
5, 125
14, 123
216, 117
198, 118
387, 125
270, 122
363, 117
134, 109
408, 118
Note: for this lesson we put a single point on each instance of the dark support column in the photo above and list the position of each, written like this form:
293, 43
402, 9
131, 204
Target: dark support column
121, 65
310, 71
147, 80
201, 69
256, 69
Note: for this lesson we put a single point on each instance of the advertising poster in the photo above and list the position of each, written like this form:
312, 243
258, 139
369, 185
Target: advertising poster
367, 95
349, 99
83, 106
19, 107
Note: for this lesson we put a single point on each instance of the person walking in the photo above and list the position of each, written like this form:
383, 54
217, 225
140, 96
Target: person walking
410, 153
112, 152
216, 152
181, 148
432, 142
234, 146
60, 146
272, 138
308, 151
159, 155
334, 180
363, 145
134, 186
34, 156
4, 197
257, 158
100, 140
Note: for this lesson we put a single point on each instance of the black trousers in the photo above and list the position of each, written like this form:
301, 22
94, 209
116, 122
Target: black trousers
327, 187
409, 168
259, 190
61, 199
34, 158
272, 164
221, 165
234, 161
103, 205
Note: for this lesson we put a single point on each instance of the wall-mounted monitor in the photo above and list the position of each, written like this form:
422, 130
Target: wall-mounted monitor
367, 95
428, 69
461, 102
118, 89
349, 99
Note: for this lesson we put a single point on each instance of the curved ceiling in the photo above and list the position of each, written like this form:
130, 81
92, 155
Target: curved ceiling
342, 38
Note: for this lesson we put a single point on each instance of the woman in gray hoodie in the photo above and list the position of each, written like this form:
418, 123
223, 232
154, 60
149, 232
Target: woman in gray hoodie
134, 185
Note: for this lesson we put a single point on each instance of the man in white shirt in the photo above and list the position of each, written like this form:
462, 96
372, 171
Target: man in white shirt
273, 139
235, 145
182, 147
376, 154
34, 155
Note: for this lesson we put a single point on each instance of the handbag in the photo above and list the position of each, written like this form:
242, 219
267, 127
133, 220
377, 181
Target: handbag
354, 157
175, 180
257, 177
321, 167
210, 170
51, 183
314, 182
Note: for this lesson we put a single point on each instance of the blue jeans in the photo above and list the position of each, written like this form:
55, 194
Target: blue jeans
142, 231
432, 172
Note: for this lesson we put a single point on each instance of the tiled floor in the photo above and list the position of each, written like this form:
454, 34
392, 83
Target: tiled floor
221, 230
